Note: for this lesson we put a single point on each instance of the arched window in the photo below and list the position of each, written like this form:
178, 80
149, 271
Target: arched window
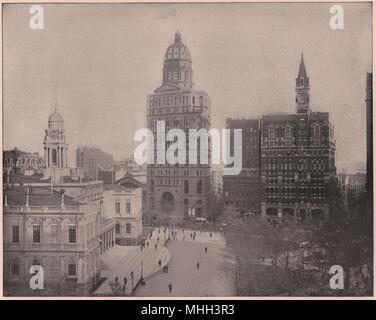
288, 133
271, 133
186, 187
199, 187
316, 133
54, 156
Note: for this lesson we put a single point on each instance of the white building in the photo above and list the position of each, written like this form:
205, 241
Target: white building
125, 205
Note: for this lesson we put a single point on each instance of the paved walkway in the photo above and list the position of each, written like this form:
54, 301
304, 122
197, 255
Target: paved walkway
210, 279
133, 260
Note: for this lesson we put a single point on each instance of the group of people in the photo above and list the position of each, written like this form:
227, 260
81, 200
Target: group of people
117, 287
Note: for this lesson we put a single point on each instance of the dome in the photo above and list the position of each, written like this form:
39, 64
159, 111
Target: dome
177, 50
55, 121
177, 67
55, 117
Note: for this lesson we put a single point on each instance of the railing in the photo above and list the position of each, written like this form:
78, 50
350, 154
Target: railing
41, 209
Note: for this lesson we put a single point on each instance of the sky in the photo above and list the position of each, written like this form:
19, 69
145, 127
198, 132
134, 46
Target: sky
97, 63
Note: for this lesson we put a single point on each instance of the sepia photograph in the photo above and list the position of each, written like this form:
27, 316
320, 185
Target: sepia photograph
187, 150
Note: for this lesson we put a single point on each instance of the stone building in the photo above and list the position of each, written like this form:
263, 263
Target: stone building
124, 204
54, 231
244, 191
92, 160
175, 190
18, 161
297, 158
39, 212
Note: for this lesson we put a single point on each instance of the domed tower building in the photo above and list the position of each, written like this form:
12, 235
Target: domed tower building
175, 191
55, 148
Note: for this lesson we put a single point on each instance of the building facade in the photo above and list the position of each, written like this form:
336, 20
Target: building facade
125, 206
297, 158
174, 190
244, 191
54, 231
92, 160
18, 161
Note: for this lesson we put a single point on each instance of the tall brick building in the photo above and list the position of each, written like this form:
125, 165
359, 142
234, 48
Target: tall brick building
244, 190
296, 157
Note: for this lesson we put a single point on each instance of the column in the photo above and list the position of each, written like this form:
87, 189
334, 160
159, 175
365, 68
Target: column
45, 156
62, 158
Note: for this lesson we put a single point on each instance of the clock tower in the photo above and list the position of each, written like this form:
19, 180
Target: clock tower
302, 90
55, 148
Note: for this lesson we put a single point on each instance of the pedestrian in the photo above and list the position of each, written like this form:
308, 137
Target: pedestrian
158, 239
210, 234
141, 248
116, 279
191, 235
198, 265
170, 288
155, 247
159, 230
147, 244
160, 263
206, 249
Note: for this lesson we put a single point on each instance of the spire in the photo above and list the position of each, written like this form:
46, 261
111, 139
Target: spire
302, 70
177, 36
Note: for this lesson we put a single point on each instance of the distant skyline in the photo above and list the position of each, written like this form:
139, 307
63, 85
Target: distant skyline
99, 61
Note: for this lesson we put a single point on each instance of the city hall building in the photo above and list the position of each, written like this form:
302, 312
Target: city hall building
181, 190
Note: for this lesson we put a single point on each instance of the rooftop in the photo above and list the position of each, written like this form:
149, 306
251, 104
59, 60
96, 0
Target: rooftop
38, 196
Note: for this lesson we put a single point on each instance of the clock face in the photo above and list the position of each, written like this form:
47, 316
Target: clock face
301, 99
54, 134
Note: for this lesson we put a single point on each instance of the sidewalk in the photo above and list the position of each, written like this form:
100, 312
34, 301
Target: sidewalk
134, 260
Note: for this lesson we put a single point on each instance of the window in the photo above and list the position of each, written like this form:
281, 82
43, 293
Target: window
128, 207
117, 228
36, 234
72, 270
117, 207
15, 234
186, 187
54, 233
15, 269
72, 234
199, 187
128, 228
316, 133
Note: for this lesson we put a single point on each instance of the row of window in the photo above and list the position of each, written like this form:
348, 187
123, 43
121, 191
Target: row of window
15, 268
128, 228
24, 161
72, 234
127, 207
175, 100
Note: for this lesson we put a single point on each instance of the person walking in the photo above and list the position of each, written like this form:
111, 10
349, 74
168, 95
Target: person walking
170, 288
206, 249
160, 263
198, 265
